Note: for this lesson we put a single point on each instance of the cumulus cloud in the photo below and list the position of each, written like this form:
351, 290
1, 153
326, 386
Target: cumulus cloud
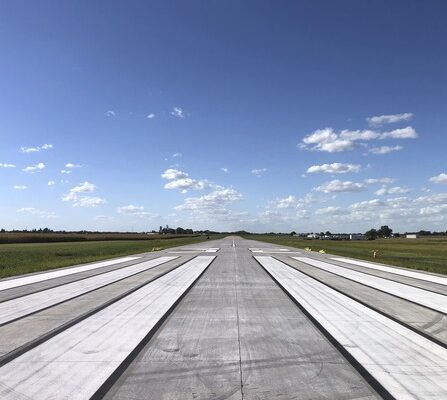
38, 213
287, 202
388, 119
385, 149
393, 190
20, 187
329, 211
441, 178
71, 165
371, 181
334, 168
110, 114
402, 133
223, 169
51, 183
176, 155
6, 165
66, 171
336, 185
36, 149
150, 116
258, 171
77, 195
178, 112
172, 173
187, 183
213, 202
34, 168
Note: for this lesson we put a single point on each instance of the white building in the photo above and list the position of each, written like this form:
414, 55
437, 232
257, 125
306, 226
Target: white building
412, 236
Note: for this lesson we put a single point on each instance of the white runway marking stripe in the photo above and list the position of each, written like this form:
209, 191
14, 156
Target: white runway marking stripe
411, 274
75, 363
26, 280
21, 306
406, 364
426, 298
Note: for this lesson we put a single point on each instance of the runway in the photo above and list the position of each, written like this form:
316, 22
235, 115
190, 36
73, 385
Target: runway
228, 319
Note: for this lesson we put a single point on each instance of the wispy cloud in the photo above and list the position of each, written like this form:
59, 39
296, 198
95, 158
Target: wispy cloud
393, 190
176, 155
372, 181
36, 149
6, 165
51, 183
66, 171
110, 113
178, 112
137, 211
334, 168
441, 178
384, 149
258, 171
388, 119
71, 165
336, 185
34, 168
38, 213
224, 169
150, 116
20, 187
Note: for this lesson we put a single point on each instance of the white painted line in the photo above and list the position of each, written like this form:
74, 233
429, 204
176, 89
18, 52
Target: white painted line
76, 362
21, 306
408, 365
187, 251
276, 252
426, 298
266, 250
411, 274
26, 280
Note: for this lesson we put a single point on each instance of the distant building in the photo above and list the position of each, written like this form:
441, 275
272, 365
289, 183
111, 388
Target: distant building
313, 236
412, 236
356, 236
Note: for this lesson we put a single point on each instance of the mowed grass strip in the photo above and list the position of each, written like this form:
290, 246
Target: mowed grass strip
22, 258
426, 253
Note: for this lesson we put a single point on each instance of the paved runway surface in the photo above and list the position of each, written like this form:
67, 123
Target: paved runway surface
227, 319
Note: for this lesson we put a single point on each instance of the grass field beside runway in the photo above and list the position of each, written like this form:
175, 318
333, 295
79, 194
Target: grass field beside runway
22, 258
427, 254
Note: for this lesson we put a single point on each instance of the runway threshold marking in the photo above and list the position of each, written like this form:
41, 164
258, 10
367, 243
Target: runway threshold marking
75, 363
26, 280
405, 364
19, 307
394, 270
435, 301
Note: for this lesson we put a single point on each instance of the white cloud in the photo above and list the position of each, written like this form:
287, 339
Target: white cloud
359, 135
36, 149
5, 165
38, 213
329, 211
172, 173
334, 168
336, 185
385, 149
178, 112
441, 178
286, 202
402, 133
259, 171
393, 190
66, 171
20, 187
367, 205
103, 218
71, 165
176, 155
79, 199
371, 181
187, 183
34, 168
434, 210
51, 183
137, 211
150, 116
223, 169
212, 203
110, 113
388, 119
326, 140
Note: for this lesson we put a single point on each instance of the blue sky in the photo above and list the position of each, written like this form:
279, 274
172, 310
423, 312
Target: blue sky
265, 116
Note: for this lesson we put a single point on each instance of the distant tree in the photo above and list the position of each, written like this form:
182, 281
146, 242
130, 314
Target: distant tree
328, 233
293, 233
372, 234
385, 231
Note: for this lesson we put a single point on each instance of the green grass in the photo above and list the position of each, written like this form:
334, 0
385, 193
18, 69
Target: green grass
427, 254
21, 258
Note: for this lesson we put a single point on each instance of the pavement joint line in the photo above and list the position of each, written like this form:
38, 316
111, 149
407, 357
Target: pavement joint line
373, 382
238, 327
381, 290
76, 280
81, 294
41, 339
406, 325
69, 268
115, 375
389, 269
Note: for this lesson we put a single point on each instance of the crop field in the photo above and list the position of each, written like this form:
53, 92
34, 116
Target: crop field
427, 254
21, 258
